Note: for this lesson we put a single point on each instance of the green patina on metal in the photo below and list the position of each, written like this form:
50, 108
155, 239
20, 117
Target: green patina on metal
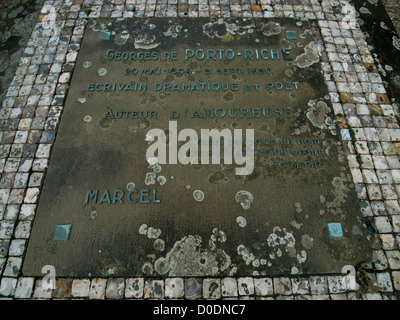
63, 232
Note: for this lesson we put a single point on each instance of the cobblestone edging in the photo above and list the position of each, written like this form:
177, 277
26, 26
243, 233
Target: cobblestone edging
280, 288
31, 111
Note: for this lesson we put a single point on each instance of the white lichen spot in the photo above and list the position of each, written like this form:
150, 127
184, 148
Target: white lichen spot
130, 186
81, 100
263, 262
173, 31
296, 224
302, 257
256, 263
147, 268
153, 164
149, 139
384, 26
287, 238
152, 161
198, 195
294, 270
219, 29
317, 113
157, 168
212, 245
298, 207
150, 178
309, 57
340, 193
86, 64
271, 29
272, 255
241, 221
159, 245
289, 73
153, 233
381, 70
120, 39
162, 266
396, 42
214, 271
388, 68
218, 235
189, 258
87, 119
146, 42
111, 271
245, 198
307, 241
247, 256
102, 72
365, 10
233, 271
161, 180
143, 229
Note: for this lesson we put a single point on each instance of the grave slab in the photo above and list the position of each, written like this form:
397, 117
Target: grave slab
142, 83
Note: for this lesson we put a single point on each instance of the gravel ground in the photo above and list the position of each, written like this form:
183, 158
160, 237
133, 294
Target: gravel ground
17, 20
393, 9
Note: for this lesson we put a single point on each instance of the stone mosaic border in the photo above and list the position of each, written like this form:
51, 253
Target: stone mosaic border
370, 132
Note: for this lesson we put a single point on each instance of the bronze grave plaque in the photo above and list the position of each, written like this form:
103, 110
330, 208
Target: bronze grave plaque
197, 147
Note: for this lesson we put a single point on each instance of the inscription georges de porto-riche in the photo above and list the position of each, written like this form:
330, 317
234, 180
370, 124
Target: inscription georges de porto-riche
199, 55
